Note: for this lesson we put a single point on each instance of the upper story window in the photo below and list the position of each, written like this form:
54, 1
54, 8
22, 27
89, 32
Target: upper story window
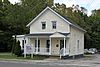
54, 24
43, 25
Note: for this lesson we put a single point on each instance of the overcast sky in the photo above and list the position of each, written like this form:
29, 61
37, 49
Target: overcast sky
88, 4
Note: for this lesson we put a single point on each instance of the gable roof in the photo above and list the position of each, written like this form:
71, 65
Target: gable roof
57, 34
65, 19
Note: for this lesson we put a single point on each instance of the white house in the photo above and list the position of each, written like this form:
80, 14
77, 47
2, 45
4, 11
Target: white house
52, 34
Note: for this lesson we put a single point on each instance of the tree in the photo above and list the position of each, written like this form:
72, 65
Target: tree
50, 3
95, 28
5, 35
14, 18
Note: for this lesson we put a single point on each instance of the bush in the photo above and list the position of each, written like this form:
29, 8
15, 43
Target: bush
17, 50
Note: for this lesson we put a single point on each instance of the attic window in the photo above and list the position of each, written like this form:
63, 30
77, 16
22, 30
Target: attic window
43, 25
54, 24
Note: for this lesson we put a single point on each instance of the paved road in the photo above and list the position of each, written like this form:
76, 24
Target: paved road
45, 64
82, 62
11, 64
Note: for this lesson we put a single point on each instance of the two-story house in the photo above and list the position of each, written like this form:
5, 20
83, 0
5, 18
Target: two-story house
52, 34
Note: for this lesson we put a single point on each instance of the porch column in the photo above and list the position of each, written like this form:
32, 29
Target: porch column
50, 46
64, 46
37, 46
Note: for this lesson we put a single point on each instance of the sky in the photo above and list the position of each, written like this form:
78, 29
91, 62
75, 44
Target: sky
88, 4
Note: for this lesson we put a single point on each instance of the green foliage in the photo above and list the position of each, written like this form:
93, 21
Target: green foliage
14, 18
50, 3
5, 34
95, 29
17, 49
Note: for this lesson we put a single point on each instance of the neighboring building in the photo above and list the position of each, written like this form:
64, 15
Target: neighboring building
78, 8
52, 34
83, 10
93, 12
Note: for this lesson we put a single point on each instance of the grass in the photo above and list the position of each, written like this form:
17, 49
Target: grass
10, 56
88, 56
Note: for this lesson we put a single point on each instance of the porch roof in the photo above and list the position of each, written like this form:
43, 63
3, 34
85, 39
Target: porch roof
56, 34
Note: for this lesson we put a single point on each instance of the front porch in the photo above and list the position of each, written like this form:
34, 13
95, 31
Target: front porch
56, 44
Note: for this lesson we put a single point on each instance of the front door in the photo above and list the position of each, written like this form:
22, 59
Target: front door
61, 44
47, 45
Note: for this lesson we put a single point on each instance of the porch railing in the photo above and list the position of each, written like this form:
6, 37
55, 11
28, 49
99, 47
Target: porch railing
41, 50
63, 52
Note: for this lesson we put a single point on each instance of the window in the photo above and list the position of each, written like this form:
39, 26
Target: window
25, 41
43, 25
77, 44
23, 44
54, 24
62, 44
37, 45
48, 45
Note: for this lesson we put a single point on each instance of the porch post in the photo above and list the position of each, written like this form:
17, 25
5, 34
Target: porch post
37, 46
64, 46
50, 46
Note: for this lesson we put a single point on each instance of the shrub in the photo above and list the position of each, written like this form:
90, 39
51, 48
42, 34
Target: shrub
17, 50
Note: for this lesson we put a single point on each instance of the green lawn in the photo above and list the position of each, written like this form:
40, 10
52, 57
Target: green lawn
10, 56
